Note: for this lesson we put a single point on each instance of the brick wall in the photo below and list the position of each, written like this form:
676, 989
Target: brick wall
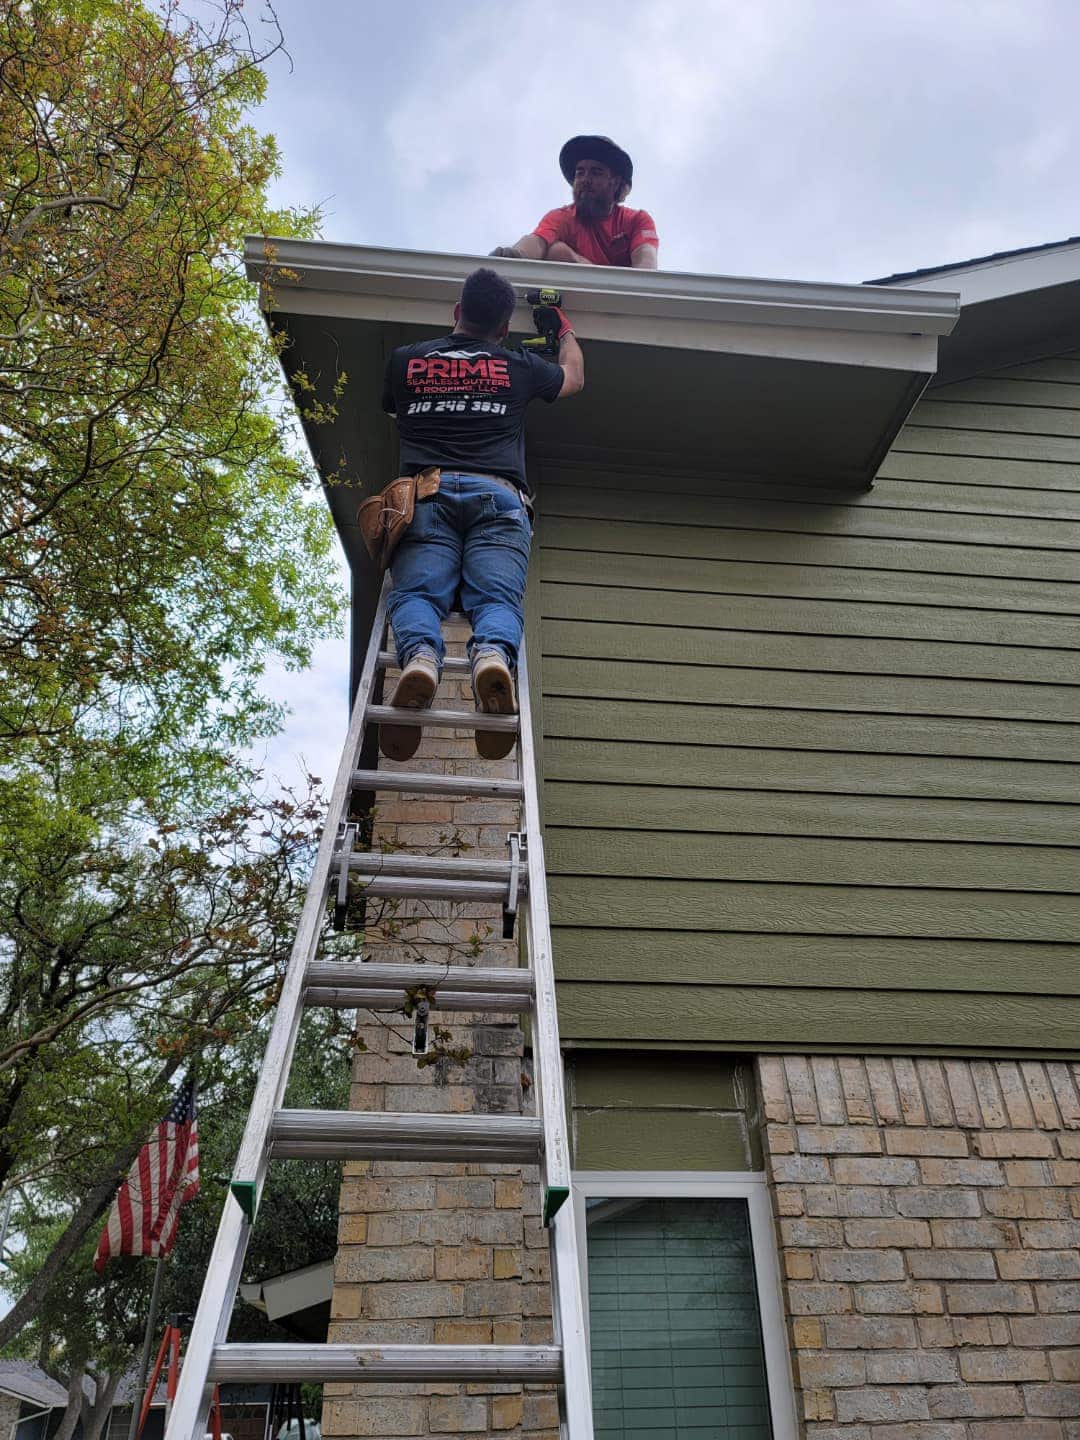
928, 1215
441, 1253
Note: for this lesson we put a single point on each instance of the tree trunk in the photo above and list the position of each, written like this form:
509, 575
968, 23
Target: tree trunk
96, 1416
73, 1410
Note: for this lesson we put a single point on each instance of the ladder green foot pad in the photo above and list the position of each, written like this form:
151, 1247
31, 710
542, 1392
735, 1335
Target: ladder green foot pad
554, 1197
246, 1198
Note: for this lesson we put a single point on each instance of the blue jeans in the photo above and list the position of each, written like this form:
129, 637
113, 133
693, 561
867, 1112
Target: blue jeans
470, 538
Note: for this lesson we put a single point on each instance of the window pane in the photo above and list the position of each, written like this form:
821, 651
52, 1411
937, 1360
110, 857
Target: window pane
673, 1321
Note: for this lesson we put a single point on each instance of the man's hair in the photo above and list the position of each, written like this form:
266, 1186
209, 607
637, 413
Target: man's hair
487, 301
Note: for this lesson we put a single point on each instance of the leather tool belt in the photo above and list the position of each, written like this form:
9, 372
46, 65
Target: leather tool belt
384, 518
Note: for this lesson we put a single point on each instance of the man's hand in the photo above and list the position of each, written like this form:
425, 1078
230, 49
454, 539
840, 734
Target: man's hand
508, 252
561, 251
549, 319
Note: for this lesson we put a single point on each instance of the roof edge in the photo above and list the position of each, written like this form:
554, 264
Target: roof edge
284, 265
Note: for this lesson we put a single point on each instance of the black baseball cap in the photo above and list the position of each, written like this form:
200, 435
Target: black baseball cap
595, 147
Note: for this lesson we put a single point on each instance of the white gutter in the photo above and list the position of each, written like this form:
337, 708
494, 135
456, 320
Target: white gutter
888, 326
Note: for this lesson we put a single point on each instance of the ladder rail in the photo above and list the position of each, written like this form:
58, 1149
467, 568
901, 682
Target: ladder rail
187, 1420
567, 1305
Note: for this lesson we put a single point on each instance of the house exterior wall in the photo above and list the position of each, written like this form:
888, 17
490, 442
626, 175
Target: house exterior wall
809, 757
808, 771
928, 1216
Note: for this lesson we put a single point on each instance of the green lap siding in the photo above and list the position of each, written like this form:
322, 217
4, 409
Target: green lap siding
810, 758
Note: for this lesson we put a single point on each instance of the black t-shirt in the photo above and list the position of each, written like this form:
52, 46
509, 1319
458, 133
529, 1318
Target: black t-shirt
460, 403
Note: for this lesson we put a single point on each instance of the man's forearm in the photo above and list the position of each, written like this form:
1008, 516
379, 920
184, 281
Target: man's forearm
573, 363
529, 247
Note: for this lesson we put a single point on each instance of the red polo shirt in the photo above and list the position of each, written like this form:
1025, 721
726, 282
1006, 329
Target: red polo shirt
605, 242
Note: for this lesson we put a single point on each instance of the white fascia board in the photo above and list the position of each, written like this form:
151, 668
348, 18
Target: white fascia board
787, 342
998, 279
637, 306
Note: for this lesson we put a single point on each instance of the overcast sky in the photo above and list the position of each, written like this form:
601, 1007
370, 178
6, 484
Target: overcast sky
803, 139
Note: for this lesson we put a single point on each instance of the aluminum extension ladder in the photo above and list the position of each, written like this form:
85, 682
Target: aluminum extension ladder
273, 1132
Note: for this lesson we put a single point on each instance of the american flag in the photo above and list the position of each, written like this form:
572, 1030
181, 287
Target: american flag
165, 1175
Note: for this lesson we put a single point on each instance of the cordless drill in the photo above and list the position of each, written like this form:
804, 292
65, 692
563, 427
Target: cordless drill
547, 320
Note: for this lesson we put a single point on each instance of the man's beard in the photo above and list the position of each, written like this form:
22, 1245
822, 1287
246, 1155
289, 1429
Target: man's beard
591, 207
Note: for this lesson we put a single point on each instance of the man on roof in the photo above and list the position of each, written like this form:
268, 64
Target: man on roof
597, 229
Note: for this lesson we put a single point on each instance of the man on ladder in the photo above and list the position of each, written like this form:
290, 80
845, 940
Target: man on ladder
460, 403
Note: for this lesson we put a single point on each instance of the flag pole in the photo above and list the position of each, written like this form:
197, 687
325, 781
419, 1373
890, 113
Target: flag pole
148, 1342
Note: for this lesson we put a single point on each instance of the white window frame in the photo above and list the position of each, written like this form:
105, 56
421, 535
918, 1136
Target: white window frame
710, 1185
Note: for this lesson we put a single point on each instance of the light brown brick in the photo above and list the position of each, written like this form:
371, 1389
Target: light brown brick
1003, 1297
811, 1299
508, 1193
465, 1332
1014, 1093
1058, 1299
837, 1140
799, 1265
507, 1411
939, 1110
780, 1139
830, 1095
1039, 1264
941, 1201
772, 1088
789, 1199
909, 1091
911, 1298
1045, 1330
463, 1262
822, 1369
800, 1086
1012, 1144
1041, 1094
873, 1170
962, 1092
974, 1234
1003, 1365
869, 1332
952, 1265
860, 1265
807, 1334
889, 1403
912, 1367
950, 1402
950, 1143
1050, 1234
883, 1089
818, 1405
1055, 1399
886, 1234
1065, 1364
940, 1171
856, 1090
457, 1414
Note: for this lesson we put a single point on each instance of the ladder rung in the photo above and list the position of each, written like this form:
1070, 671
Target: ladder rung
452, 665
382, 1135
409, 887
482, 1001
413, 783
434, 867
519, 1364
442, 719
340, 985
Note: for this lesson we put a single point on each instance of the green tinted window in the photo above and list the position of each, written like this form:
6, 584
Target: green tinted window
674, 1329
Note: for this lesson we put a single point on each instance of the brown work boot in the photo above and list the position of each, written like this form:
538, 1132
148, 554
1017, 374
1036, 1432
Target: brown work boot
418, 683
493, 686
